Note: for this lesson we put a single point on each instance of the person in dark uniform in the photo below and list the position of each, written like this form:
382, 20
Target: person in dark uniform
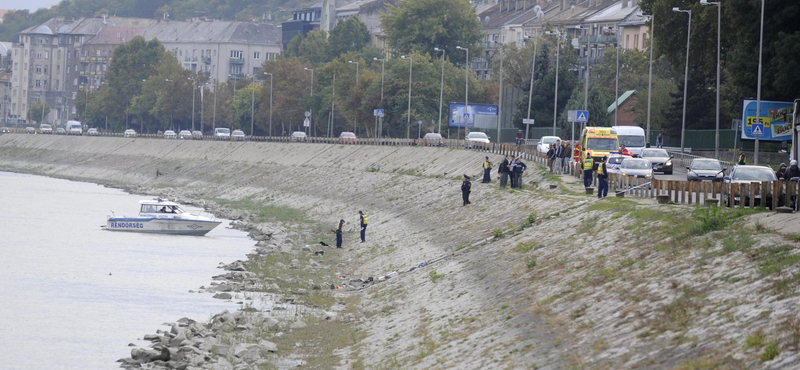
519, 168
602, 179
363, 218
503, 171
338, 233
466, 187
588, 164
742, 158
487, 170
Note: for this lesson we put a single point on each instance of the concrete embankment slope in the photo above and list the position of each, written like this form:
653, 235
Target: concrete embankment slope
560, 284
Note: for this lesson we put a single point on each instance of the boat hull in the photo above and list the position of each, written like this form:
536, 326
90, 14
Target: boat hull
161, 225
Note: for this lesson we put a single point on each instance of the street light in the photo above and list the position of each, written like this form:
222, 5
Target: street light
686, 73
719, 25
378, 130
408, 122
170, 114
214, 119
616, 82
441, 89
252, 107
194, 87
530, 91
555, 100
355, 114
758, 94
650, 77
466, 90
312, 94
270, 102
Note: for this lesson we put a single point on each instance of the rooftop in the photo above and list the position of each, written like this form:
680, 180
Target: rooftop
621, 100
213, 31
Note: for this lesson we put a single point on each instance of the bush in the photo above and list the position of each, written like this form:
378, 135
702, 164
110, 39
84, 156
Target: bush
531, 218
531, 262
435, 276
498, 233
770, 351
711, 218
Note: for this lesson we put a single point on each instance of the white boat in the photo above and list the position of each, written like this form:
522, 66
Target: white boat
164, 217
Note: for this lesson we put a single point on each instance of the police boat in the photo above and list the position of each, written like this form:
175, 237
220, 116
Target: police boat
160, 216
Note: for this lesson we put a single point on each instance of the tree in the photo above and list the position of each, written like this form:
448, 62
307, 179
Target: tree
291, 87
35, 111
314, 48
350, 35
166, 98
421, 25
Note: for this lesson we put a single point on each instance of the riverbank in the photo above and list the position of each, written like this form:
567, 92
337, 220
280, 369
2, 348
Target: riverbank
519, 279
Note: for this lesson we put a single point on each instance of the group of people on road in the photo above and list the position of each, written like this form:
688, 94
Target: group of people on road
558, 156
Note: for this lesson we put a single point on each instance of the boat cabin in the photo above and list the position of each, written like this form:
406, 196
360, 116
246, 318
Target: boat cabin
160, 207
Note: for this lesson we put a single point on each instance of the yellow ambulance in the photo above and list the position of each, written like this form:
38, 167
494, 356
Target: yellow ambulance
598, 142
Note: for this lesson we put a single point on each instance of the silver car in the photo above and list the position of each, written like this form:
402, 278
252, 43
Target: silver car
747, 174
636, 167
661, 160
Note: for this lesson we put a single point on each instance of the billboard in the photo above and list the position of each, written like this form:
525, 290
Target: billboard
480, 115
776, 116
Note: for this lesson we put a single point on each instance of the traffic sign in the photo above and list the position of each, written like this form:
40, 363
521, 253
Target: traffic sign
377, 113
582, 116
758, 129
306, 123
420, 122
308, 114
527, 121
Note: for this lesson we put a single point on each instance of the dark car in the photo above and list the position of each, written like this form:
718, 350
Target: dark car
661, 160
703, 169
748, 174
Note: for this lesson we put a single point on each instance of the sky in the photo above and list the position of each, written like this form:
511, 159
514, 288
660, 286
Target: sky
31, 5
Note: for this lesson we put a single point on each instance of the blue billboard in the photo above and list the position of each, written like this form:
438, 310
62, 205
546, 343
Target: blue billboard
775, 117
478, 116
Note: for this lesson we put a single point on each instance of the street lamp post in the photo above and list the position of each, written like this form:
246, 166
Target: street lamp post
170, 115
312, 95
333, 107
686, 73
216, 91
500, 92
194, 87
650, 76
719, 26
530, 91
616, 84
270, 101
379, 130
441, 89
758, 94
466, 90
410, 68
252, 107
555, 100
355, 113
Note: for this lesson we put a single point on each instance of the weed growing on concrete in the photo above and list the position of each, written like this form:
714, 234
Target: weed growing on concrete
711, 218
498, 233
525, 247
435, 276
771, 351
755, 340
531, 262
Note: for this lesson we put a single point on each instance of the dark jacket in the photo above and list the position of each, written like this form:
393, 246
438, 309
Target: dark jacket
551, 153
793, 171
520, 167
566, 152
503, 167
466, 186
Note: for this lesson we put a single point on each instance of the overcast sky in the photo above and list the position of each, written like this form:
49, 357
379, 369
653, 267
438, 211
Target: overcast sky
31, 5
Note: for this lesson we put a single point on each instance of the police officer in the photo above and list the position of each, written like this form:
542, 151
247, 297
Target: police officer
602, 179
742, 159
588, 164
466, 188
487, 170
363, 218
338, 233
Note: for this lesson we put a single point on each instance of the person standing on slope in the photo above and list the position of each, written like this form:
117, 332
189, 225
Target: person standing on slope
466, 188
363, 219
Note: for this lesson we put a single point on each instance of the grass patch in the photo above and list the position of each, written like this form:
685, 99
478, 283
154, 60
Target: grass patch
678, 314
265, 212
525, 247
775, 259
770, 351
498, 233
320, 341
711, 218
531, 262
435, 276
755, 340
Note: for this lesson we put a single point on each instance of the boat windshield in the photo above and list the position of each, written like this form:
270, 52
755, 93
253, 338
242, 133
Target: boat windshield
157, 208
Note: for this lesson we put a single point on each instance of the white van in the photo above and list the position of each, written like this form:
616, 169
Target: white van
74, 128
222, 133
632, 137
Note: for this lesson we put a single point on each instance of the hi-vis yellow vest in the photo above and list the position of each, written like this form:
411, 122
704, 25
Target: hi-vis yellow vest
588, 163
364, 219
600, 171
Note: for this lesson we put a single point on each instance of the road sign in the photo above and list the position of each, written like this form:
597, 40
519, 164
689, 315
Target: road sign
582, 116
758, 129
377, 113
526, 121
420, 122
572, 115
308, 114
306, 122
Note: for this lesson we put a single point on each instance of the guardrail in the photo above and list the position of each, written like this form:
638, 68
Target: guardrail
685, 159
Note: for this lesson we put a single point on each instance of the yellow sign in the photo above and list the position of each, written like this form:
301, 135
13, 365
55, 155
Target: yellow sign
752, 119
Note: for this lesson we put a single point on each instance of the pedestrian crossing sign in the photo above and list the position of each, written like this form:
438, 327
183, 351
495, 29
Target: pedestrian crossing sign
758, 129
582, 116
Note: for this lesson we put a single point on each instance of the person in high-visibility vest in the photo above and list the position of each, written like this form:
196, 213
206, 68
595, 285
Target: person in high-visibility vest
742, 159
602, 179
576, 153
364, 221
588, 163
338, 233
487, 171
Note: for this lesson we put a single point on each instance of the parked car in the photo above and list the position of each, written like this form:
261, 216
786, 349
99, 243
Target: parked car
705, 169
92, 132
476, 138
661, 160
169, 134
613, 163
130, 133
185, 134
238, 135
30, 130
636, 167
348, 138
432, 139
61, 131
299, 136
197, 135
545, 142
222, 133
747, 174
74, 128
45, 128
4, 130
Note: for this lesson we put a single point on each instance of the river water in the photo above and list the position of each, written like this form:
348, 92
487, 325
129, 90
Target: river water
72, 296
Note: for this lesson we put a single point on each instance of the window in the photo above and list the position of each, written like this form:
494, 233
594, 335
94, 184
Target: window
44, 83
627, 41
236, 54
58, 68
636, 41
236, 69
57, 84
208, 52
46, 55
644, 36
59, 54
257, 55
38, 69
38, 55
45, 69
41, 40
255, 70
38, 83
75, 81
